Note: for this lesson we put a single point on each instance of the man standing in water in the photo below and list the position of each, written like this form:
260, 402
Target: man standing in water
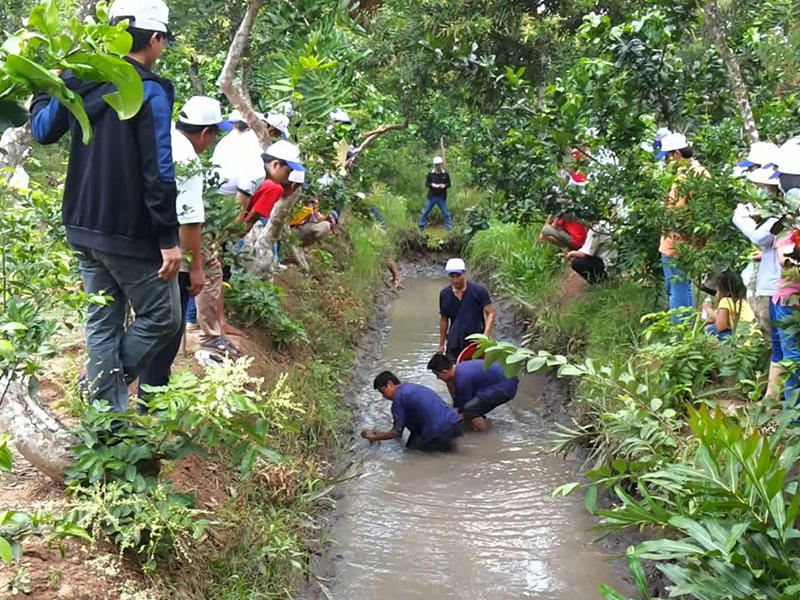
465, 308
433, 424
476, 391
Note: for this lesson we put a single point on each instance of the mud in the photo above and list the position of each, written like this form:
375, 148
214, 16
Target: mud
476, 523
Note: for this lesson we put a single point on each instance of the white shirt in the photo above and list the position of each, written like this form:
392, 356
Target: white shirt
237, 158
189, 178
769, 271
598, 243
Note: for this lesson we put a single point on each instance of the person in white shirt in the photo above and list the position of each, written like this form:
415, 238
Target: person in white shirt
199, 122
592, 259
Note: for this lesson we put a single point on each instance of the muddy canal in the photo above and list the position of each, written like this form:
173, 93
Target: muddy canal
478, 523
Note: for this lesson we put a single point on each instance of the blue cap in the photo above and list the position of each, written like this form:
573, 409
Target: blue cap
661, 155
747, 164
225, 125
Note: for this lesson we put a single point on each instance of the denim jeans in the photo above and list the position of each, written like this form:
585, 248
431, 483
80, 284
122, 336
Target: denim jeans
117, 355
157, 372
722, 335
679, 288
429, 206
790, 352
191, 312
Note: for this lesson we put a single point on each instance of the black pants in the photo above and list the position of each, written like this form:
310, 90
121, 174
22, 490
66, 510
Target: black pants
441, 443
590, 268
158, 371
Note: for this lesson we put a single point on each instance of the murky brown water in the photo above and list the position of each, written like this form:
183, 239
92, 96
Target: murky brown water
477, 523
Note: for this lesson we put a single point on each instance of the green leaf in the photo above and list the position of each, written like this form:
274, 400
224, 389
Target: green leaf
590, 501
38, 79
12, 115
610, 593
566, 489
5, 551
127, 100
536, 363
6, 458
635, 566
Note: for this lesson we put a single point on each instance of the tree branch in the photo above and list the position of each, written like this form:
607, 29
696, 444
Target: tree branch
236, 92
369, 139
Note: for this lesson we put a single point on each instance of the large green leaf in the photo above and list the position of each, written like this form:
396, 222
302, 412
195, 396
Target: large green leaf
127, 100
38, 79
12, 115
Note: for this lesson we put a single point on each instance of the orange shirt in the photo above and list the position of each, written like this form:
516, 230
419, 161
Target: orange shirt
691, 169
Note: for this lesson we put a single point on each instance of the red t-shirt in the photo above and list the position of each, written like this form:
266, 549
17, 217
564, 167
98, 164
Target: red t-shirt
265, 198
577, 231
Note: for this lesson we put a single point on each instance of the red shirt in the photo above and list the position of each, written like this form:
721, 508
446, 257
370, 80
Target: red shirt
265, 198
577, 231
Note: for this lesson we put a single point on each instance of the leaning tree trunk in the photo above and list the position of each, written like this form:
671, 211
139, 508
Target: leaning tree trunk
738, 87
272, 232
36, 433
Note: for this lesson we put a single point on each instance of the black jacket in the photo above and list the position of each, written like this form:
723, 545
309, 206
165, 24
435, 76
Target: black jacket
120, 192
434, 177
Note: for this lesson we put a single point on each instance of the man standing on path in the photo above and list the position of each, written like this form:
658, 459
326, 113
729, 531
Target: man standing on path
465, 308
433, 424
198, 125
437, 182
119, 209
476, 391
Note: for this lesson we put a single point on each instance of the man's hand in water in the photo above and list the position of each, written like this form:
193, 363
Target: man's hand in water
367, 434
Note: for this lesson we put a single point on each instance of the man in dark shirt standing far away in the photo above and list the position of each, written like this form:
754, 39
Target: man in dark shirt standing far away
433, 424
119, 208
476, 390
437, 182
465, 308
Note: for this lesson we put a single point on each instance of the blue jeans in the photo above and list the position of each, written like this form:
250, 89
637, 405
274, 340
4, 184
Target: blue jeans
191, 312
790, 351
442, 204
679, 288
117, 355
712, 330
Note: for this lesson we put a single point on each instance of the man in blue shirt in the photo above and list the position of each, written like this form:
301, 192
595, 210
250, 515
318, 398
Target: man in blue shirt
433, 424
476, 390
465, 308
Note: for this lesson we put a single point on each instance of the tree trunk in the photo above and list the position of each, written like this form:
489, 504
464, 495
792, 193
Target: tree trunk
738, 87
272, 232
235, 91
85, 9
195, 79
36, 433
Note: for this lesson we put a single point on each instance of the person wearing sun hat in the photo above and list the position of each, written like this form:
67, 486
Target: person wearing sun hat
119, 207
761, 154
675, 148
199, 122
465, 308
759, 230
437, 182
787, 296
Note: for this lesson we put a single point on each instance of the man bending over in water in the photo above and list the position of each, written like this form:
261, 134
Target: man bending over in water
433, 424
476, 391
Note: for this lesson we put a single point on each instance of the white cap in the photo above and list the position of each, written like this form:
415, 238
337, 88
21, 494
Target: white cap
672, 142
787, 161
361, 195
663, 132
761, 153
235, 116
202, 110
340, 116
438, 160
279, 122
326, 180
455, 265
286, 151
297, 176
152, 15
763, 175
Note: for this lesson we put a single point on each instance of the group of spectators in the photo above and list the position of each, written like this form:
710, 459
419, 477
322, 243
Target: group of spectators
773, 171
134, 210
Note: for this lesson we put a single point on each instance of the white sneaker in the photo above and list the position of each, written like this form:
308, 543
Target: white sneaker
281, 266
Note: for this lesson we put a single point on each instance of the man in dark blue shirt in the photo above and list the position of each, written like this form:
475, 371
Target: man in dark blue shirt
433, 424
476, 390
464, 307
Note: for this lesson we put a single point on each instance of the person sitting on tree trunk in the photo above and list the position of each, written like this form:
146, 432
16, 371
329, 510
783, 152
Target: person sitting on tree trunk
433, 424
465, 308
476, 390
311, 225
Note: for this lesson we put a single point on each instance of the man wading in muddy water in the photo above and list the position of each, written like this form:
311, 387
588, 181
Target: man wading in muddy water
465, 308
433, 424
476, 391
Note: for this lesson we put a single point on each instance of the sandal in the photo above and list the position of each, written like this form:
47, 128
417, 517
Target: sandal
221, 345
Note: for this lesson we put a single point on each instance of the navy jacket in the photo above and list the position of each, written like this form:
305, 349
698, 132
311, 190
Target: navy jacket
120, 192
434, 177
